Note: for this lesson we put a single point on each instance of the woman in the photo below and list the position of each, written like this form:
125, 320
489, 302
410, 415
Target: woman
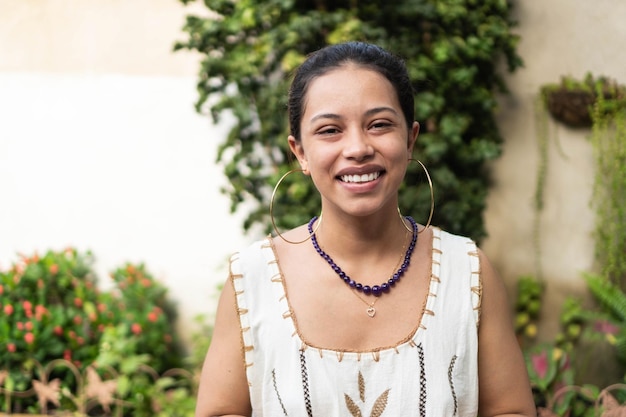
361, 312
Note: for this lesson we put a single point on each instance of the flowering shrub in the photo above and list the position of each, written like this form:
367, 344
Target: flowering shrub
51, 308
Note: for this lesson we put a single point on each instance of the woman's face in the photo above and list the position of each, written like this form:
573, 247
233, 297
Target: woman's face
354, 140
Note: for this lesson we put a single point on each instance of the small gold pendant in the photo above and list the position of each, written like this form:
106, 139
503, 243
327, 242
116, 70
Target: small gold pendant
371, 311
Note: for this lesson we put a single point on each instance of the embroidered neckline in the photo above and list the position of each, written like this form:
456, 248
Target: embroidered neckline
426, 312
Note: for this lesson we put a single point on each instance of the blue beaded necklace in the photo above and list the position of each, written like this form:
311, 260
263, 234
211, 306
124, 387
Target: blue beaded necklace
376, 290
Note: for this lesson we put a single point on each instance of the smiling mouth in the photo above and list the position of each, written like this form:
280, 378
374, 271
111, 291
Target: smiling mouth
356, 179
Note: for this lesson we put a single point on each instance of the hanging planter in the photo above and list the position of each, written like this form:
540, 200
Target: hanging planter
571, 101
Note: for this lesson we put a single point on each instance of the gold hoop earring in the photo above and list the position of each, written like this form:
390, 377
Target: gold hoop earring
319, 221
432, 199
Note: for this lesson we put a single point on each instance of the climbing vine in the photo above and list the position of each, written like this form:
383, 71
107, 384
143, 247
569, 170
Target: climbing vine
452, 47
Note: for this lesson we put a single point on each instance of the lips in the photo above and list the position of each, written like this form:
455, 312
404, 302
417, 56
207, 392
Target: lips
360, 178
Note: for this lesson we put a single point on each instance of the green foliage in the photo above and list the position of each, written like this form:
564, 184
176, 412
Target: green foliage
53, 309
609, 197
548, 369
452, 49
528, 307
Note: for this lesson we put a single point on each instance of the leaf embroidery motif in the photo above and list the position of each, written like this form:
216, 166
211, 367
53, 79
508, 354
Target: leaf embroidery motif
380, 404
352, 407
361, 387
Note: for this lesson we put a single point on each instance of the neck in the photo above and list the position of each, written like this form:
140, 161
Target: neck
348, 235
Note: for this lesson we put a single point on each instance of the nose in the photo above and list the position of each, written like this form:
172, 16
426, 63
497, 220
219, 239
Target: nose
357, 145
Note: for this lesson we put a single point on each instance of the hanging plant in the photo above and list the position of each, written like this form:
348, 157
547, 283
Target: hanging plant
594, 102
571, 100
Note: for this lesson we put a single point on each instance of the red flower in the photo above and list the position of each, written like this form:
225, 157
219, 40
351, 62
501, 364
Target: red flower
29, 338
78, 302
78, 320
102, 307
54, 269
67, 355
29, 326
136, 328
540, 363
28, 306
20, 325
58, 330
1, 290
39, 312
605, 327
152, 316
8, 309
11, 347
146, 282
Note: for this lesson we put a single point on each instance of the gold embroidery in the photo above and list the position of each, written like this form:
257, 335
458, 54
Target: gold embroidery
379, 405
361, 387
242, 311
277, 278
248, 348
287, 314
435, 278
340, 355
352, 407
429, 312
437, 250
473, 253
376, 356
272, 262
236, 276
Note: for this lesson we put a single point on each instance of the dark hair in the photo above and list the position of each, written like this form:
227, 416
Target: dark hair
363, 54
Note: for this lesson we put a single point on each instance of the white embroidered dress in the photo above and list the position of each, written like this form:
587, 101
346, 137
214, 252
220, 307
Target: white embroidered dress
434, 373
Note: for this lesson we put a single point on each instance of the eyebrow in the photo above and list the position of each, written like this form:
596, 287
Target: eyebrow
370, 112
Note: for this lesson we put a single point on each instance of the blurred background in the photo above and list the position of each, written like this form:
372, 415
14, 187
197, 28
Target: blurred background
101, 148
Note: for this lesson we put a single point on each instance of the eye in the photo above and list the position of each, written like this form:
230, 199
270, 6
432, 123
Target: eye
328, 130
381, 125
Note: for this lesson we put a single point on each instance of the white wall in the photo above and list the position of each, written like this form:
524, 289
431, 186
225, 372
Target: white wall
558, 38
101, 147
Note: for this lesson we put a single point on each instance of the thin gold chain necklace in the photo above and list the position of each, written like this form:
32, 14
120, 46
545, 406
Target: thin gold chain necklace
371, 311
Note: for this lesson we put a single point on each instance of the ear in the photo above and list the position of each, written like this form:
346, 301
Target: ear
298, 151
415, 130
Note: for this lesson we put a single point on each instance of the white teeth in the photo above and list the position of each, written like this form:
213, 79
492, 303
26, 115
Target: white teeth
360, 178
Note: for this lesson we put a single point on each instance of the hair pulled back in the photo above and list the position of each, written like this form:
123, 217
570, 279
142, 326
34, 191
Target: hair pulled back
362, 54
